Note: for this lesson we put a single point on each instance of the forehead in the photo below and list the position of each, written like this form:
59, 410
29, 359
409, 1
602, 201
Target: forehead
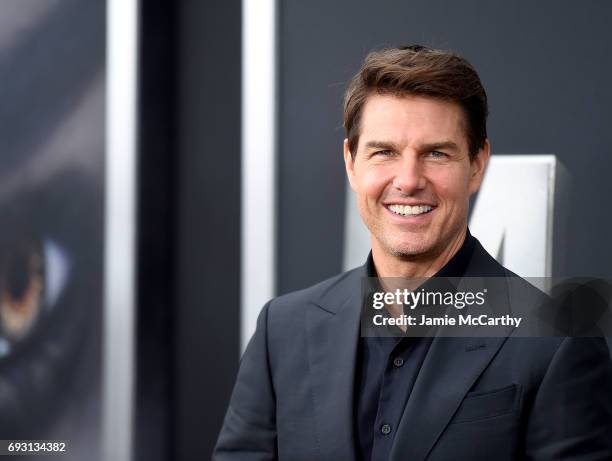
412, 120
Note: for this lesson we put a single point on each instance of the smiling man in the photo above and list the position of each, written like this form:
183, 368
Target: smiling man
413, 174
310, 387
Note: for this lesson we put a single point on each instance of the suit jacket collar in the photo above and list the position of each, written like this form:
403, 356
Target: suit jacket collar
451, 368
333, 334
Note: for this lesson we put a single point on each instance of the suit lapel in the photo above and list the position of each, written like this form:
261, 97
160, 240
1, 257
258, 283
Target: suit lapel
449, 371
451, 368
333, 333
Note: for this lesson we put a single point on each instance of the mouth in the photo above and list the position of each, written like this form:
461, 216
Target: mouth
407, 210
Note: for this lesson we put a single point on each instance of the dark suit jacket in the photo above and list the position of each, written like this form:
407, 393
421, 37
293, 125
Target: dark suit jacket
474, 399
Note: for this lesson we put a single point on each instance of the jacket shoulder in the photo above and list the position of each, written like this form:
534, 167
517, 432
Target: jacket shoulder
297, 300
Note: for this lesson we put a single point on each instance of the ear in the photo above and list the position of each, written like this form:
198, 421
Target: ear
349, 164
478, 167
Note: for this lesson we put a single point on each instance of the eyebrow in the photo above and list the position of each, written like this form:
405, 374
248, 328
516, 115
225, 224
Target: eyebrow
381, 145
450, 145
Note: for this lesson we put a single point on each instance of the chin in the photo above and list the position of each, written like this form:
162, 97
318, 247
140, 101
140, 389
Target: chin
409, 250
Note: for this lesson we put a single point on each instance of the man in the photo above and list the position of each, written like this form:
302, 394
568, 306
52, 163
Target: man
311, 388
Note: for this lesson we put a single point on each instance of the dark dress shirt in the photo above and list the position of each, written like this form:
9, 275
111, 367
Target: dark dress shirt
387, 368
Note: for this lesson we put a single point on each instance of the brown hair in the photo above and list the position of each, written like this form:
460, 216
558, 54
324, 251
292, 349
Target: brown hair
418, 70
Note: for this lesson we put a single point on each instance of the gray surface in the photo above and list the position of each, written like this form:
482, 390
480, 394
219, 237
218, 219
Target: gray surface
207, 219
546, 68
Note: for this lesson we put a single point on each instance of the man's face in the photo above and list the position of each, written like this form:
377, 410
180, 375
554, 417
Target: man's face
412, 174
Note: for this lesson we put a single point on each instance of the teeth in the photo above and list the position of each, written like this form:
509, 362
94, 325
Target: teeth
406, 210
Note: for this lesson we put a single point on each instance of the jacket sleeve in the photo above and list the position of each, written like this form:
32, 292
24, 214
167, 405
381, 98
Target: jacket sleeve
572, 412
249, 429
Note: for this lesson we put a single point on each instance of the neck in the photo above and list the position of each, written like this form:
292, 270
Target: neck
388, 265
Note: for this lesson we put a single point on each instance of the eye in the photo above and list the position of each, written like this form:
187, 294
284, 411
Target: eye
384, 153
34, 273
437, 154
21, 288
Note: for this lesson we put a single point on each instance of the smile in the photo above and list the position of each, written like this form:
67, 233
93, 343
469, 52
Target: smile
407, 210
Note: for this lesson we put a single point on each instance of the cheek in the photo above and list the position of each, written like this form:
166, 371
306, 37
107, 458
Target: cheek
451, 186
372, 183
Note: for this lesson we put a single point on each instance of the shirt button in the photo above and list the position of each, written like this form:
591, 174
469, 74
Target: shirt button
385, 429
398, 361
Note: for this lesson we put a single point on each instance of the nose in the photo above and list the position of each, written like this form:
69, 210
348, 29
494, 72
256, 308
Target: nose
409, 176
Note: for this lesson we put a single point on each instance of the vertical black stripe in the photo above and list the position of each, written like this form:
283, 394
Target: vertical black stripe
189, 221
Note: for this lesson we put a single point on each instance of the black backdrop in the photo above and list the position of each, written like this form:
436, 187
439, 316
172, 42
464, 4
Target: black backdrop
188, 340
